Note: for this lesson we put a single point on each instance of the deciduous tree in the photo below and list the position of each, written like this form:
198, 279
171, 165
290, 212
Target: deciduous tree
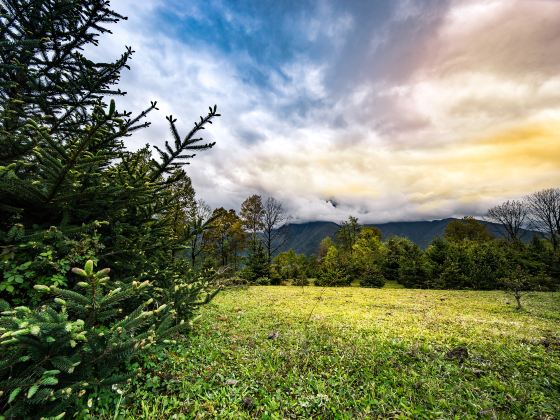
273, 217
512, 215
467, 228
198, 222
348, 234
544, 213
225, 239
252, 216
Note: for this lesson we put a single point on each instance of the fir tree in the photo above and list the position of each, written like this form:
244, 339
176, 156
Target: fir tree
65, 164
71, 191
76, 343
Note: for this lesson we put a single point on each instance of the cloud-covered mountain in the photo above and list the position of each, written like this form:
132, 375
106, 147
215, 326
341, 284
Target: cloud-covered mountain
305, 237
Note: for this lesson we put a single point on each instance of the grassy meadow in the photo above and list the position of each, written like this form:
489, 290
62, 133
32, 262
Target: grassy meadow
287, 352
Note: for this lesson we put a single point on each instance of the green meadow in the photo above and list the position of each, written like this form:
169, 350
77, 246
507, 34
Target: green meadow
293, 352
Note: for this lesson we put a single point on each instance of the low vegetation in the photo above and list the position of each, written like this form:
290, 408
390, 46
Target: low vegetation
353, 352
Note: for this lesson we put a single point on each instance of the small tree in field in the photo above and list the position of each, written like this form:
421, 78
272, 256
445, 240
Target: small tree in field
518, 284
256, 264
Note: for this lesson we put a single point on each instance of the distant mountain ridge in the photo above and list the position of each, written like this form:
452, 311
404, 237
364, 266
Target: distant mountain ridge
306, 237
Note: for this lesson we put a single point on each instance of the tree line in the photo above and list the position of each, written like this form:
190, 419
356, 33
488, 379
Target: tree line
466, 257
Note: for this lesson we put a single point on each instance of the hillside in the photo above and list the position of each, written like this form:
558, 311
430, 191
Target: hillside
305, 237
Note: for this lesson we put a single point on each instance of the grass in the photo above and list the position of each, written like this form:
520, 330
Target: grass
287, 352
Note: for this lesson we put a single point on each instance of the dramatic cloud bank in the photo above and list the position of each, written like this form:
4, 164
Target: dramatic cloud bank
392, 110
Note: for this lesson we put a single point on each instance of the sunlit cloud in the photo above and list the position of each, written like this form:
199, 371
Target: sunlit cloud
395, 110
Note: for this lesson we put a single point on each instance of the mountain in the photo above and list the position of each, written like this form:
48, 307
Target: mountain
305, 237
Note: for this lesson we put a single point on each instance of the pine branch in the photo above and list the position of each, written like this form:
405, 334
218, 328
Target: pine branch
172, 158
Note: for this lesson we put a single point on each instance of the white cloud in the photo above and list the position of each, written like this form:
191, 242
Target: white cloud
372, 147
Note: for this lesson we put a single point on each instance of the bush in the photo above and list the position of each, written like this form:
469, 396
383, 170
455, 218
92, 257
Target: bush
372, 277
262, 281
235, 281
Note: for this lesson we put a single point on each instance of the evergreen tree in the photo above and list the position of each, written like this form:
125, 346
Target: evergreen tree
71, 192
75, 344
396, 249
256, 264
45, 78
488, 264
413, 268
66, 166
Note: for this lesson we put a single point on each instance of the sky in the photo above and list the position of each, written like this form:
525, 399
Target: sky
387, 110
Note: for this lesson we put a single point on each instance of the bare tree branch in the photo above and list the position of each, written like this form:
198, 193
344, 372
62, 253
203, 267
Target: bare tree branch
274, 216
544, 212
512, 216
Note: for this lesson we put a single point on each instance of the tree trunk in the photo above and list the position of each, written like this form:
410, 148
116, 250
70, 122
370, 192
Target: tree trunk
518, 299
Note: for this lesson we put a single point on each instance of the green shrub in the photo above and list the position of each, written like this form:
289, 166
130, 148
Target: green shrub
372, 277
262, 281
